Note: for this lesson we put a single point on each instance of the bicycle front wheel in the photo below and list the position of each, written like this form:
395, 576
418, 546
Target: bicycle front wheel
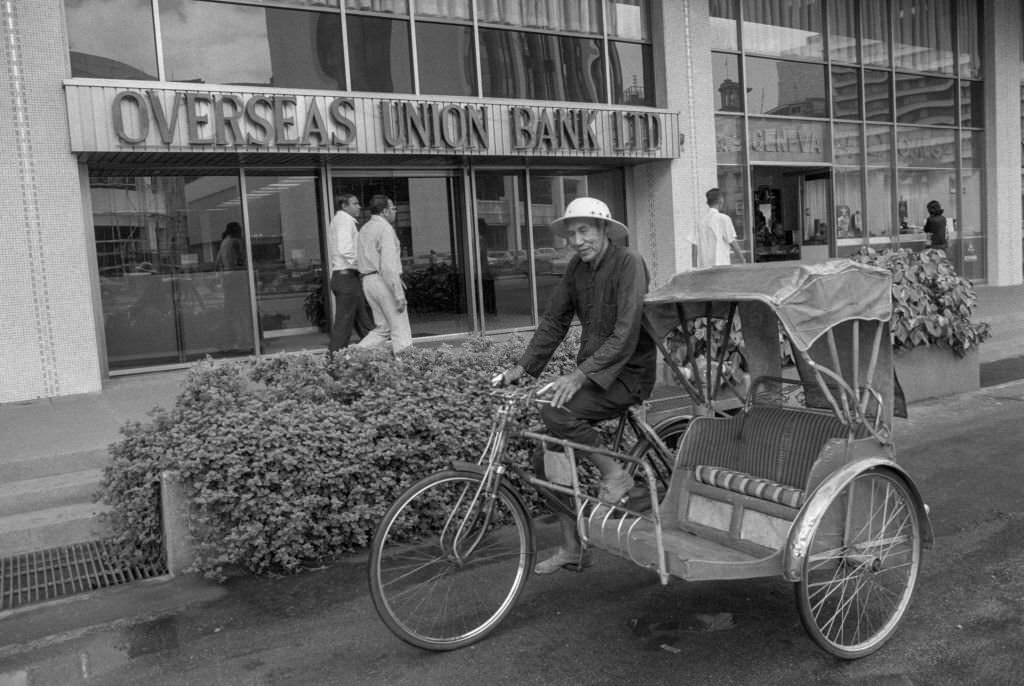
448, 562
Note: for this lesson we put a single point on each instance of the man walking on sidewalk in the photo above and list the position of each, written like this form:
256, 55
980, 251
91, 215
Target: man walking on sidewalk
350, 308
380, 265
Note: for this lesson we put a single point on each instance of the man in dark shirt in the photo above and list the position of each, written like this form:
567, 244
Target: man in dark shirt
604, 286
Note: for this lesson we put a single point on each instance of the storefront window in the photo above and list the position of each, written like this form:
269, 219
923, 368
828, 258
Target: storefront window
518, 64
875, 32
846, 144
446, 58
724, 19
95, 36
924, 35
270, 46
729, 140
781, 140
972, 104
287, 260
878, 213
174, 268
925, 100
380, 55
632, 74
969, 15
849, 221
879, 146
725, 70
504, 249
845, 93
780, 87
577, 16
921, 147
731, 182
842, 32
627, 18
784, 28
877, 95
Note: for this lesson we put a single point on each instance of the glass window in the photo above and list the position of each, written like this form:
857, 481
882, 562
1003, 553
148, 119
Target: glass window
878, 213
921, 147
972, 104
538, 66
969, 14
379, 51
879, 145
877, 95
842, 32
578, 16
504, 247
628, 19
732, 183
445, 54
846, 144
925, 100
379, 6
724, 19
96, 33
875, 32
729, 140
916, 187
290, 279
785, 28
788, 140
269, 46
632, 74
174, 268
845, 93
924, 35
445, 9
849, 217
725, 70
786, 88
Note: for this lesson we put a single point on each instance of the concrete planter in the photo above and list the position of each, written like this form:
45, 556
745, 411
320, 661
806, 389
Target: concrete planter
933, 371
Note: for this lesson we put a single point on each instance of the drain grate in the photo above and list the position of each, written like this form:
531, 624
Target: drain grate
57, 572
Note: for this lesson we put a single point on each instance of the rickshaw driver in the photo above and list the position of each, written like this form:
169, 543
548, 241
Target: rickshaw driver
604, 286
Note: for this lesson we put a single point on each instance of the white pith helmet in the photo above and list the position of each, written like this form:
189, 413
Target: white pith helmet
590, 208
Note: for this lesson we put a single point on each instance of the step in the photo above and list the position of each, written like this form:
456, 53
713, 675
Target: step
59, 526
52, 465
47, 492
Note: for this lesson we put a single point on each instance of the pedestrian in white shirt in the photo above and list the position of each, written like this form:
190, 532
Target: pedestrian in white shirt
715, 234
380, 265
351, 311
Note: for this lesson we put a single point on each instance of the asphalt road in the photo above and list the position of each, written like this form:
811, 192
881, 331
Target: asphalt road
613, 624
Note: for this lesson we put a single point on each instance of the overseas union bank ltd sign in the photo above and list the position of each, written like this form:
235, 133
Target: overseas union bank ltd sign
139, 118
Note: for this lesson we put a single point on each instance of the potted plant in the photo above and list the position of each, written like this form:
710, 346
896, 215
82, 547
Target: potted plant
934, 339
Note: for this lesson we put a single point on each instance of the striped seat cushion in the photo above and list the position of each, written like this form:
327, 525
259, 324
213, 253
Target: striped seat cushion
738, 482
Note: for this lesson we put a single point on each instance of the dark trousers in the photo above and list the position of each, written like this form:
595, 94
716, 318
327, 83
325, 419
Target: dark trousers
350, 309
575, 421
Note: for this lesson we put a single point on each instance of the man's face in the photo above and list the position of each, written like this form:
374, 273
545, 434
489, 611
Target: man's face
352, 207
390, 212
586, 237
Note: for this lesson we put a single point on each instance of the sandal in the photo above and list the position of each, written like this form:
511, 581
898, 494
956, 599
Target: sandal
563, 559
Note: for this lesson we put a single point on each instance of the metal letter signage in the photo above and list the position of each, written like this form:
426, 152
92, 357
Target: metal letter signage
191, 119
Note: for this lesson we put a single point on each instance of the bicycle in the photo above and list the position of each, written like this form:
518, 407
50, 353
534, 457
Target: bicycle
453, 553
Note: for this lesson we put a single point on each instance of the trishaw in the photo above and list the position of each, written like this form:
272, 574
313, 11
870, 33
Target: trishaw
797, 479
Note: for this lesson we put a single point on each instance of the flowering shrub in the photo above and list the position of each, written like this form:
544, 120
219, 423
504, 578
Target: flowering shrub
932, 304
291, 460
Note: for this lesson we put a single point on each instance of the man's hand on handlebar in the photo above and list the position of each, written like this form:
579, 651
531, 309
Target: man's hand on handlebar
508, 377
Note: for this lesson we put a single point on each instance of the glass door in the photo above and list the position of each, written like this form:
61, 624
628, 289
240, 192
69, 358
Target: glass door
435, 258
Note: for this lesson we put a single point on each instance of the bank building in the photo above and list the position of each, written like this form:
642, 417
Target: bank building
137, 132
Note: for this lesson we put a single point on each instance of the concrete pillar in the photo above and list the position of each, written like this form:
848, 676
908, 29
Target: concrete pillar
667, 198
1002, 74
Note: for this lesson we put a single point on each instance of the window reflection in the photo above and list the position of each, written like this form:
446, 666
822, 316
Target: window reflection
842, 31
845, 93
725, 70
972, 104
969, 18
875, 28
786, 88
785, 28
95, 37
632, 74
628, 19
447, 63
173, 268
924, 35
878, 214
580, 16
925, 100
538, 66
724, 19
877, 95
380, 55
267, 46
444, 9
849, 220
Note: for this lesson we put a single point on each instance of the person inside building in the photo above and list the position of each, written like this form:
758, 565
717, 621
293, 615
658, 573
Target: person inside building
230, 261
935, 225
351, 311
716, 235
604, 286
379, 259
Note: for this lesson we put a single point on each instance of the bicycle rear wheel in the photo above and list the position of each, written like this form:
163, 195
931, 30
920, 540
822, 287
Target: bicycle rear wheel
448, 563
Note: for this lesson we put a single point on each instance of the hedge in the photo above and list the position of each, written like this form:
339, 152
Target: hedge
292, 460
